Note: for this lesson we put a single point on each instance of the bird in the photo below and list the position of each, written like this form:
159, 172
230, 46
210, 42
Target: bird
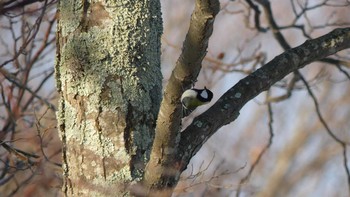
192, 98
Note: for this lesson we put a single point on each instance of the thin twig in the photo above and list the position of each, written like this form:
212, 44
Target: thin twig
268, 145
329, 131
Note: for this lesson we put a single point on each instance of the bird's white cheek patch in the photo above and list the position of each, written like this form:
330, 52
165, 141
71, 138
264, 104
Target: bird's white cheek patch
204, 94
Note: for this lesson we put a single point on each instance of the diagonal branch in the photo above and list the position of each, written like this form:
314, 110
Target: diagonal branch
227, 108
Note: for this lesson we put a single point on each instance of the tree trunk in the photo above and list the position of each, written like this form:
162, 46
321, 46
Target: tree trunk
109, 80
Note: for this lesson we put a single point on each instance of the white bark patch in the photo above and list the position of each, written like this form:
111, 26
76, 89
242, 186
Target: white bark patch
238, 95
198, 124
333, 42
227, 106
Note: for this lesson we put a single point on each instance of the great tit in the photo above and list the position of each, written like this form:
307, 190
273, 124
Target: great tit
192, 98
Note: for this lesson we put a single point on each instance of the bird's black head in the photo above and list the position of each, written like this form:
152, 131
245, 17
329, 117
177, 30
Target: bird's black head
204, 95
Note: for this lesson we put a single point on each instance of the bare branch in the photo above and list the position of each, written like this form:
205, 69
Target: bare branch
342, 143
158, 172
227, 108
290, 88
268, 145
256, 16
10, 6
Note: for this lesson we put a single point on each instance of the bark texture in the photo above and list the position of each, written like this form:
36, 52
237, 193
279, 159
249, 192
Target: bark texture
109, 80
162, 170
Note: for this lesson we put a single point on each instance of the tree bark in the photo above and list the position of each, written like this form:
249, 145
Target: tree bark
109, 81
162, 170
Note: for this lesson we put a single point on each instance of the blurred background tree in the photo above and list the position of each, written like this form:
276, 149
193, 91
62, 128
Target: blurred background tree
281, 144
31, 150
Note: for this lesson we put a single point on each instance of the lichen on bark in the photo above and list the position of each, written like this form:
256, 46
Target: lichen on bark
109, 80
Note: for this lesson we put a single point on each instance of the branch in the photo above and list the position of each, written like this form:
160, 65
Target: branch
329, 131
11, 6
227, 108
256, 16
158, 171
245, 179
273, 25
